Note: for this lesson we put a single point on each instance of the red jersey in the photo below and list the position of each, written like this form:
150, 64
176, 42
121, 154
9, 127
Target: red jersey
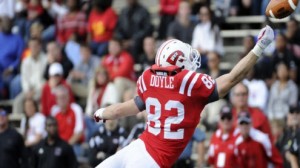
255, 151
221, 149
48, 99
174, 99
70, 122
101, 25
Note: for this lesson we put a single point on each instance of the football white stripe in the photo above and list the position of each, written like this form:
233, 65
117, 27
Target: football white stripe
293, 6
271, 13
184, 81
192, 84
140, 85
143, 84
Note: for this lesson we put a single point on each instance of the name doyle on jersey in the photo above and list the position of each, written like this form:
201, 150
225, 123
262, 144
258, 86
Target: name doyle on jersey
162, 81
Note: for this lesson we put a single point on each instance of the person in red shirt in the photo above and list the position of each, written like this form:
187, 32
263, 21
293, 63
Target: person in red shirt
119, 65
168, 11
101, 25
239, 100
69, 118
253, 147
34, 9
221, 148
71, 25
55, 79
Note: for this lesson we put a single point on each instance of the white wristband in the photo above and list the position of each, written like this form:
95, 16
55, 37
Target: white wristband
257, 50
99, 112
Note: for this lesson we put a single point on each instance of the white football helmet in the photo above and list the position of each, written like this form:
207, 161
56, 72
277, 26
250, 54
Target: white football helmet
176, 52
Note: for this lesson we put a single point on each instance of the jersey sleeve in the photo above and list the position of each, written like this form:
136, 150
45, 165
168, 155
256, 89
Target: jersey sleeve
140, 89
203, 87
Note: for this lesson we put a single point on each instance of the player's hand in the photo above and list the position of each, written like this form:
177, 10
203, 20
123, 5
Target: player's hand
265, 37
98, 115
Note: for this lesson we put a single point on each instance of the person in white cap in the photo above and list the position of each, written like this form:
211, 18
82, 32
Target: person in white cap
55, 79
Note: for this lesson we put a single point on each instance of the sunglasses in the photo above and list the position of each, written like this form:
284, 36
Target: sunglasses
226, 118
295, 112
244, 123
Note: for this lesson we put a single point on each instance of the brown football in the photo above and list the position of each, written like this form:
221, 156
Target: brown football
281, 8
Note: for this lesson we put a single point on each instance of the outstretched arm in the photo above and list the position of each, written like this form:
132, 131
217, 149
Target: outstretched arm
116, 111
241, 69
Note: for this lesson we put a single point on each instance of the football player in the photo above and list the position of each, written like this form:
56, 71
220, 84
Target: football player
173, 95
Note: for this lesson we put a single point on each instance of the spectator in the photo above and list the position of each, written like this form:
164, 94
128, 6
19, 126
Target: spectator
168, 10
72, 25
54, 54
182, 28
102, 22
36, 30
282, 53
101, 92
53, 152
133, 26
292, 31
293, 37
69, 118
56, 79
11, 47
185, 159
291, 132
213, 63
239, 99
106, 141
258, 91
33, 12
206, 36
12, 151
253, 147
119, 65
31, 76
246, 7
148, 58
80, 76
221, 148
35, 33
33, 124
284, 93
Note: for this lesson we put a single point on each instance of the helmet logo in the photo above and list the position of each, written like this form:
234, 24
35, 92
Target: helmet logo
175, 56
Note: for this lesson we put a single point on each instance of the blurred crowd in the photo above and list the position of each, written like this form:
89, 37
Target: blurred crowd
61, 60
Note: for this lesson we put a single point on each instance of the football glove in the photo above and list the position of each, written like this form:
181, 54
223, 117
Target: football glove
98, 115
265, 37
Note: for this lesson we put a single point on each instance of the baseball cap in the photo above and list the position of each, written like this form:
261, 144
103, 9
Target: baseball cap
225, 111
3, 113
244, 116
55, 69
